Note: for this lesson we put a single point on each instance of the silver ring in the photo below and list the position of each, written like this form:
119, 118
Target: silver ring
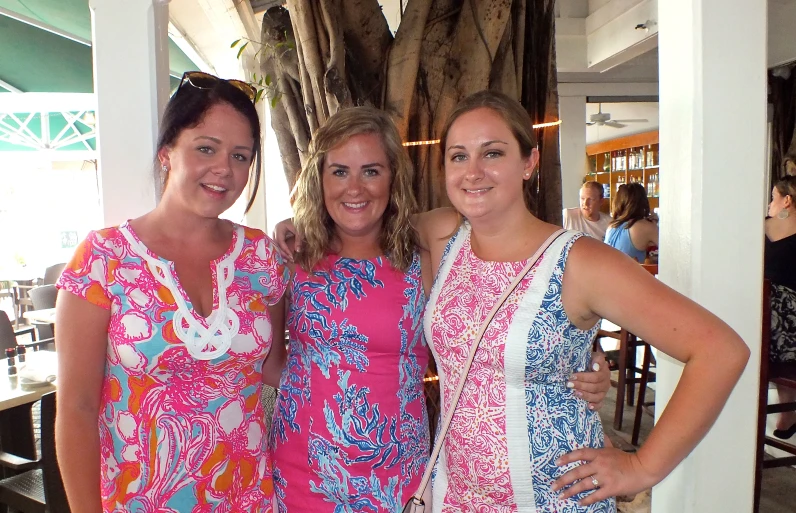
595, 482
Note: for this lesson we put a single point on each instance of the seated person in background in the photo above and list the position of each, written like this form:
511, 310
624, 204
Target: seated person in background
632, 231
780, 268
588, 218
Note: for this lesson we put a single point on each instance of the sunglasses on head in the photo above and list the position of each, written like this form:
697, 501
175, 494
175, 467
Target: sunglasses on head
202, 80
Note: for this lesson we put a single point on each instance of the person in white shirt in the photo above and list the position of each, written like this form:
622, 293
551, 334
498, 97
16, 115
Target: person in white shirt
588, 218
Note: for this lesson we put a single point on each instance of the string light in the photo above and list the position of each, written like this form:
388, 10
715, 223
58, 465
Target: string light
421, 143
437, 141
545, 125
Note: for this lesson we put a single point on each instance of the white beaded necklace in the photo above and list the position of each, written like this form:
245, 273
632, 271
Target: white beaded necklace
202, 343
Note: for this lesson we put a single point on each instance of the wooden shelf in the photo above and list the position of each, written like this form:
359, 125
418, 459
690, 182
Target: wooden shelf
618, 154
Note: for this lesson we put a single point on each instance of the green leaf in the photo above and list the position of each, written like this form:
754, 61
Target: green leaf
254, 77
259, 95
243, 47
268, 80
234, 43
274, 100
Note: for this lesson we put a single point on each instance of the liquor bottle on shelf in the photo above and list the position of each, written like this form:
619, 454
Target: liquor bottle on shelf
607, 163
606, 190
655, 187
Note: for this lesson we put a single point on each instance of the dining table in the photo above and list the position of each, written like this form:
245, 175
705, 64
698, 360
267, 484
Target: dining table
45, 315
17, 394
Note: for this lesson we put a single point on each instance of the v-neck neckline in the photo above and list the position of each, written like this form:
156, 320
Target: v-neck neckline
215, 265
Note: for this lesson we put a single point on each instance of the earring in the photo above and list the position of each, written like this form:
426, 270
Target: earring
783, 214
164, 168
527, 175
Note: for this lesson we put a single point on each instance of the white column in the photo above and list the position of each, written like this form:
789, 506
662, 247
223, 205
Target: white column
713, 129
572, 139
131, 81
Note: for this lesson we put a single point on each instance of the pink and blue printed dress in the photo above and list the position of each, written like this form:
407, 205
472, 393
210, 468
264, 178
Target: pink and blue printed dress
515, 416
350, 431
180, 433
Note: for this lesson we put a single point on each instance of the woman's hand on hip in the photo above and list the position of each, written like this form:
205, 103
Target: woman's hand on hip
592, 386
607, 472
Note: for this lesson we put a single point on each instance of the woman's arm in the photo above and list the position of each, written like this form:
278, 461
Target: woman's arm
277, 357
628, 296
82, 340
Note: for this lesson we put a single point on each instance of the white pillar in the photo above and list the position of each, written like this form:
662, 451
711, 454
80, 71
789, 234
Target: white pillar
713, 129
572, 140
131, 81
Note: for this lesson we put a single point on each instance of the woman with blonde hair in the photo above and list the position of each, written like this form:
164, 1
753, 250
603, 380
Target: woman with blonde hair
632, 231
350, 429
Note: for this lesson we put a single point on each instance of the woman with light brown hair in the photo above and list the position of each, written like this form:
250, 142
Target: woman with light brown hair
632, 231
350, 426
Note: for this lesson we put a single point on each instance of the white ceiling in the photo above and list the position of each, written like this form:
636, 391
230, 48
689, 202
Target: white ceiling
619, 111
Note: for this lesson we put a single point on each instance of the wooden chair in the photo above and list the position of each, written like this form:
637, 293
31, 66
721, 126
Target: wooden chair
781, 374
628, 371
38, 487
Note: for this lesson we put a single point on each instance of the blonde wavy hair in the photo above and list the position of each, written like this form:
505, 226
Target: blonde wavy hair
312, 219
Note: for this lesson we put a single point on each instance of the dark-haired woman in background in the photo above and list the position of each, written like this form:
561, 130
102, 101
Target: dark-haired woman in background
165, 335
780, 269
631, 231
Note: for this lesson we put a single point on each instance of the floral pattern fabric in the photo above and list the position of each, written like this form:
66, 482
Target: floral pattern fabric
783, 324
178, 434
515, 416
350, 430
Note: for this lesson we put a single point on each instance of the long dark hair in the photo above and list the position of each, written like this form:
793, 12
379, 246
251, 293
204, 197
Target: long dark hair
630, 205
186, 109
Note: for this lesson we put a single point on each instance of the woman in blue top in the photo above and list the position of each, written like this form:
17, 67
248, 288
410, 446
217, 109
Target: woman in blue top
631, 231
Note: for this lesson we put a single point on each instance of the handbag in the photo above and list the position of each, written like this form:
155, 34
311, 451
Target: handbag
421, 499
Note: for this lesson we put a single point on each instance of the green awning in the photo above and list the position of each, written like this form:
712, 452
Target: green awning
36, 60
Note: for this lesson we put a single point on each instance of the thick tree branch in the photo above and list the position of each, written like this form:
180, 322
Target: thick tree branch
404, 61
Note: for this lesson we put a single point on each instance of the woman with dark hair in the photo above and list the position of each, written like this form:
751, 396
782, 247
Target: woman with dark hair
632, 231
520, 440
780, 269
164, 333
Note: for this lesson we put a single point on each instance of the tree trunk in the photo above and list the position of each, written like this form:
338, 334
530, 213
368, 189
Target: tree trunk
323, 55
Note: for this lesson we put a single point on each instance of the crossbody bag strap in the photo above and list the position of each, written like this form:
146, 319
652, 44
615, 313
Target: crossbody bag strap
417, 497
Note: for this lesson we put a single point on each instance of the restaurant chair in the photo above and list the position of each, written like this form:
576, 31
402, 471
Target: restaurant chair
43, 297
628, 372
8, 335
52, 273
782, 374
22, 301
38, 487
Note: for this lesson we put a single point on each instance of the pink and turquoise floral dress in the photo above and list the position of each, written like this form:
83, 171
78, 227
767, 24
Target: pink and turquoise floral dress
181, 425
350, 429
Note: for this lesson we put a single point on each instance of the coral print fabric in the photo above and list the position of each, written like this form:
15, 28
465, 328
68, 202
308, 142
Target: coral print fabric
180, 434
350, 430
515, 416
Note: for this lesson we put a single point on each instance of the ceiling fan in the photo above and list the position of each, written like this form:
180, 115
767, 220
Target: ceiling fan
604, 119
